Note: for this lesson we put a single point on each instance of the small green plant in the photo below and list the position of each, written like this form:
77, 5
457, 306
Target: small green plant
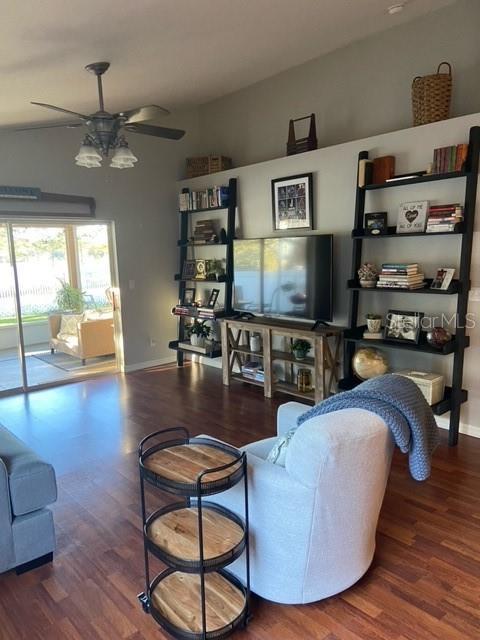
373, 316
300, 348
70, 298
199, 329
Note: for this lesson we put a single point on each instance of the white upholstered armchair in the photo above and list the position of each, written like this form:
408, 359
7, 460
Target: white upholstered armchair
313, 522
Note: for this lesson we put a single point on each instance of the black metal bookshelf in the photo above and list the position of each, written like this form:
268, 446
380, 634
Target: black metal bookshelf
184, 243
454, 395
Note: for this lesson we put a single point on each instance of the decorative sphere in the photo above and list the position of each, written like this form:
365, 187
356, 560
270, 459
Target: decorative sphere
438, 337
369, 363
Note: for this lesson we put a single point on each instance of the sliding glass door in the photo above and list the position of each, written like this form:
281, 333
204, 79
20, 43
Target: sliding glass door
11, 377
56, 314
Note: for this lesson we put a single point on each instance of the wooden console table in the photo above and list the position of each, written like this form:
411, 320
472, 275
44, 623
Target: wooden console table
324, 361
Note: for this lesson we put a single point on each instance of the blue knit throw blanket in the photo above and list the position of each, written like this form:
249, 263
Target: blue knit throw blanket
401, 405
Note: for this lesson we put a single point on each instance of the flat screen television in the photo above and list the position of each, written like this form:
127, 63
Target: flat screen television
284, 276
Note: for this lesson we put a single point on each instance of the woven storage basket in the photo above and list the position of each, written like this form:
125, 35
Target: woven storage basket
203, 165
431, 96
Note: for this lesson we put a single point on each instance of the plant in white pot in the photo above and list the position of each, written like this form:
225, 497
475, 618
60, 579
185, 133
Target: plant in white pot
368, 275
198, 332
300, 349
374, 322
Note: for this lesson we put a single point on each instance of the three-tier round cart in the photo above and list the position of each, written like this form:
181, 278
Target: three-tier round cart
195, 598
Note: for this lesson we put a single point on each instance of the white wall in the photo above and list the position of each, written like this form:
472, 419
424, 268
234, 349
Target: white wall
357, 91
334, 171
142, 202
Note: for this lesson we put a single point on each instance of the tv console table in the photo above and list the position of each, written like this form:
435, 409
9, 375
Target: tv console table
324, 361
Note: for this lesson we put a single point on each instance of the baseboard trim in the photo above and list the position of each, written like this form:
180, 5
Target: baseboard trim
466, 429
128, 368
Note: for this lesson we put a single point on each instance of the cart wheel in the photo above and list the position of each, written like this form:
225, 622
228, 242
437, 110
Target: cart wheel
144, 601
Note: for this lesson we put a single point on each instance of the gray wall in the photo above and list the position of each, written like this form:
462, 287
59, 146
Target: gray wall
357, 91
143, 204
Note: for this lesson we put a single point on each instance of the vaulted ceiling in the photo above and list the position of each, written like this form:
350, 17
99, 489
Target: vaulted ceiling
176, 53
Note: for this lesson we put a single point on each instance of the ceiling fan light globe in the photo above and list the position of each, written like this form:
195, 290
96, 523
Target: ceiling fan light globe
87, 152
121, 164
124, 154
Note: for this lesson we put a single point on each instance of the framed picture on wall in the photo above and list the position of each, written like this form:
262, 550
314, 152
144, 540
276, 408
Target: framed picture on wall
292, 202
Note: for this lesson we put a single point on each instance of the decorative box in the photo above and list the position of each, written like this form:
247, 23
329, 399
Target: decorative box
432, 385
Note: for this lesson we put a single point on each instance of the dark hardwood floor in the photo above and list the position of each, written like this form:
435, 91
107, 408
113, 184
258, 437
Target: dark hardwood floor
424, 583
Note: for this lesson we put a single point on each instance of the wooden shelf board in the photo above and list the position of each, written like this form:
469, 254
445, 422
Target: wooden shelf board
359, 234
356, 335
238, 376
176, 533
291, 389
205, 210
179, 278
453, 289
182, 463
177, 597
247, 351
289, 357
432, 177
176, 346
438, 409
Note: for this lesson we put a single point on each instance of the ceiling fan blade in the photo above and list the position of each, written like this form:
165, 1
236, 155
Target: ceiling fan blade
51, 106
159, 132
68, 125
143, 114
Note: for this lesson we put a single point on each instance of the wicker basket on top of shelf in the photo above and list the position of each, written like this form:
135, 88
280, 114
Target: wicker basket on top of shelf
203, 165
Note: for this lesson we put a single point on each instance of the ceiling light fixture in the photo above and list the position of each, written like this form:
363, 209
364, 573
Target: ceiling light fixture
123, 158
396, 8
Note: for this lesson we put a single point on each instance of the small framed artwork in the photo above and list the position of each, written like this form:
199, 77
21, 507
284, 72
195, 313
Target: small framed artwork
188, 296
442, 279
412, 217
200, 269
189, 270
403, 326
212, 300
376, 223
292, 202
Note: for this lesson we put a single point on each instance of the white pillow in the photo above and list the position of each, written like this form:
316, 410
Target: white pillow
278, 453
68, 324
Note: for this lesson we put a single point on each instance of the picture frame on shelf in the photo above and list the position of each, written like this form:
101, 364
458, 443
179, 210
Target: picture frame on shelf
403, 326
375, 223
443, 278
212, 300
292, 202
412, 217
189, 270
189, 296
200, 269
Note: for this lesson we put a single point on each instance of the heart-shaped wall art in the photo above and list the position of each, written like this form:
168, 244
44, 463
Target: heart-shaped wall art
411, 215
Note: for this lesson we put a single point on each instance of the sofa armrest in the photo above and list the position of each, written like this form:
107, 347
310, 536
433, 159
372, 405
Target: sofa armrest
96, 337
6, 538
287, 416
54, 321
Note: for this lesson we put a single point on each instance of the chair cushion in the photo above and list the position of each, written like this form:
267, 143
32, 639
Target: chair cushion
68, 324
31, 480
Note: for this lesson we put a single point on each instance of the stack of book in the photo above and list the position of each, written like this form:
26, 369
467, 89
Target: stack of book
204, 231
400, 275
205, 199
448, 159
443, 217
253, 371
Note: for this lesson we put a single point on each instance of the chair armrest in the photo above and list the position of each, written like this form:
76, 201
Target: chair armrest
287, 416
54, 321
96, 337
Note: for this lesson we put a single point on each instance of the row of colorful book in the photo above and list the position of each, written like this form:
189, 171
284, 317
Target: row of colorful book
448, 159
205, 199
253, 371
443, 217
400, 275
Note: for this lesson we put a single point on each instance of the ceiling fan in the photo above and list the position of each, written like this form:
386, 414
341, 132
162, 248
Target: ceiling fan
105, 130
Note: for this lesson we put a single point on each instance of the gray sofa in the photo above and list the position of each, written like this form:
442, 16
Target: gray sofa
27, 486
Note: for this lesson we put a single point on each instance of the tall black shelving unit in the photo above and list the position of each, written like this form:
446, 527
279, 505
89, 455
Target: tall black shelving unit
184, 245
454, 395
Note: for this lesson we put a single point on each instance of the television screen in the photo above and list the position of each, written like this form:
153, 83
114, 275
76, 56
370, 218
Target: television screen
283, 276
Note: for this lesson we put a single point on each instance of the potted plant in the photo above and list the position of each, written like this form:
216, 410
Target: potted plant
368, 274
70, 299
374, 322
300, 349
198, 332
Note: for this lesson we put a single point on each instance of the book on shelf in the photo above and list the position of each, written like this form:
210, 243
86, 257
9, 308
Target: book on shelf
443, 217
400, 276
406, 176
205, 199
441, 228
365, 172
372, 335
450, 159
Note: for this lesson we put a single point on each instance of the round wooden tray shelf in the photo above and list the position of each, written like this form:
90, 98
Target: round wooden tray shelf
175, 465
171, 534
175, 604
